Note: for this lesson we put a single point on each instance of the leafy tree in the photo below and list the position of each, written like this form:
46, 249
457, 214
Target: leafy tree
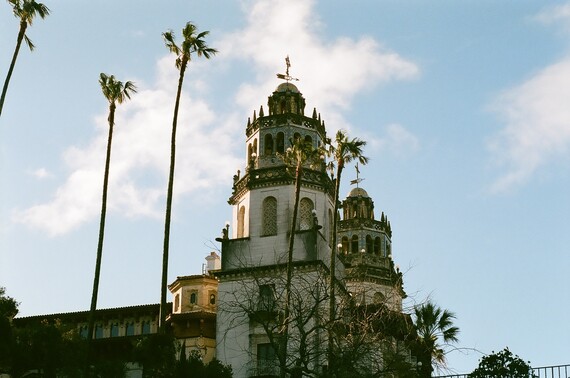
8, 309
26, 11
342, 152
434, 326
116, 92
503, 364
193, 43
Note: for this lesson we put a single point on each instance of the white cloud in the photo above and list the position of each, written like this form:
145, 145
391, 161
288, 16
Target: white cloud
140, 159
332, 73
537, 130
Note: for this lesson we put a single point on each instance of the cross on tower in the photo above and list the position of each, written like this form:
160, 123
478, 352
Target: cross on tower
358, 179
287, 77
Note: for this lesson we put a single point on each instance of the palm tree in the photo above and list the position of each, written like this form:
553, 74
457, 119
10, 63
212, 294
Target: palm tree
298, 155
25, 10
342, 152
193, 43
433, 326
116, 92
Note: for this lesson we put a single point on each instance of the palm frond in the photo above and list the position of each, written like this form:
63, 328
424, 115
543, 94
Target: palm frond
29, 43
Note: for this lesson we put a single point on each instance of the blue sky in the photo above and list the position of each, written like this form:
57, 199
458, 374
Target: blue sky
464, 106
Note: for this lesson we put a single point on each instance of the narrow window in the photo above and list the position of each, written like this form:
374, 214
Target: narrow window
369, 244
176, 302
114, 330
98, 331
269, 210
377, 244
212, 299
266, 360
83, 332
130, 329
268, 148
145, 328
266, 298
193, 298
241, 220
280, 142
354, 244
308, 139
305, 214
345, 245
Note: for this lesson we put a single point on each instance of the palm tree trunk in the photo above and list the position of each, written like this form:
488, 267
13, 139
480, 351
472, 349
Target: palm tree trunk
332, 299
21, 33
164, 280
101, 227
283, 355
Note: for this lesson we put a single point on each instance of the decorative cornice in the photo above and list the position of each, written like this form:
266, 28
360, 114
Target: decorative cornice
275, 120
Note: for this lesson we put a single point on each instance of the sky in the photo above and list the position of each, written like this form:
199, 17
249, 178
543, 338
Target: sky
463, 104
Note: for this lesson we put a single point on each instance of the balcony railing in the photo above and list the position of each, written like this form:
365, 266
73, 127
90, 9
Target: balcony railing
558, 371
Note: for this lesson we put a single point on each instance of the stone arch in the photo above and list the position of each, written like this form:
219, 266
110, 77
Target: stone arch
377, 246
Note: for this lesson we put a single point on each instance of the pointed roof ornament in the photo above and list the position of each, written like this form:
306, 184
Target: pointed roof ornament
287, 77
358, 179
261, 111
254, 116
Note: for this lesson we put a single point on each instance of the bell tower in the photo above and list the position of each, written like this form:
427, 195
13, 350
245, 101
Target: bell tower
366, 249
263, 196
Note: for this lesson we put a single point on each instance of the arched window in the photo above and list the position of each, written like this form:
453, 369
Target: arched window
388, 249
369, 244
241, 221
268, 148
280, 142
269, 214
377, 244
254, 151
130, 329
331, 231
114, 330
305, 214
99, 331
345, 245
193, 298
308, 139
212, 299
354, 244
145, 327
296, 136
283, 106
176, 302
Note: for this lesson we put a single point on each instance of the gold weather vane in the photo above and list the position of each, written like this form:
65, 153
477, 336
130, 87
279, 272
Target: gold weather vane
287, 77
358, 179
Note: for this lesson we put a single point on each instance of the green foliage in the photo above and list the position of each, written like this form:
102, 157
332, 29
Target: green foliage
503, 364
8, 305
435, 330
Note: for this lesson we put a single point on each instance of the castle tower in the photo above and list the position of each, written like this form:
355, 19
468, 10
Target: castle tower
253, 273
366, 247
263, 197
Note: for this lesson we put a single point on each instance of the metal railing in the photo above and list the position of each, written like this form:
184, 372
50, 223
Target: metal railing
558, 371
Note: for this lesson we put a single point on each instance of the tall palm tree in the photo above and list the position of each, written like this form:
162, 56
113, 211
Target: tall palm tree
193, 43
116, 92
25, 10
433, 326
298, 155
342, 152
